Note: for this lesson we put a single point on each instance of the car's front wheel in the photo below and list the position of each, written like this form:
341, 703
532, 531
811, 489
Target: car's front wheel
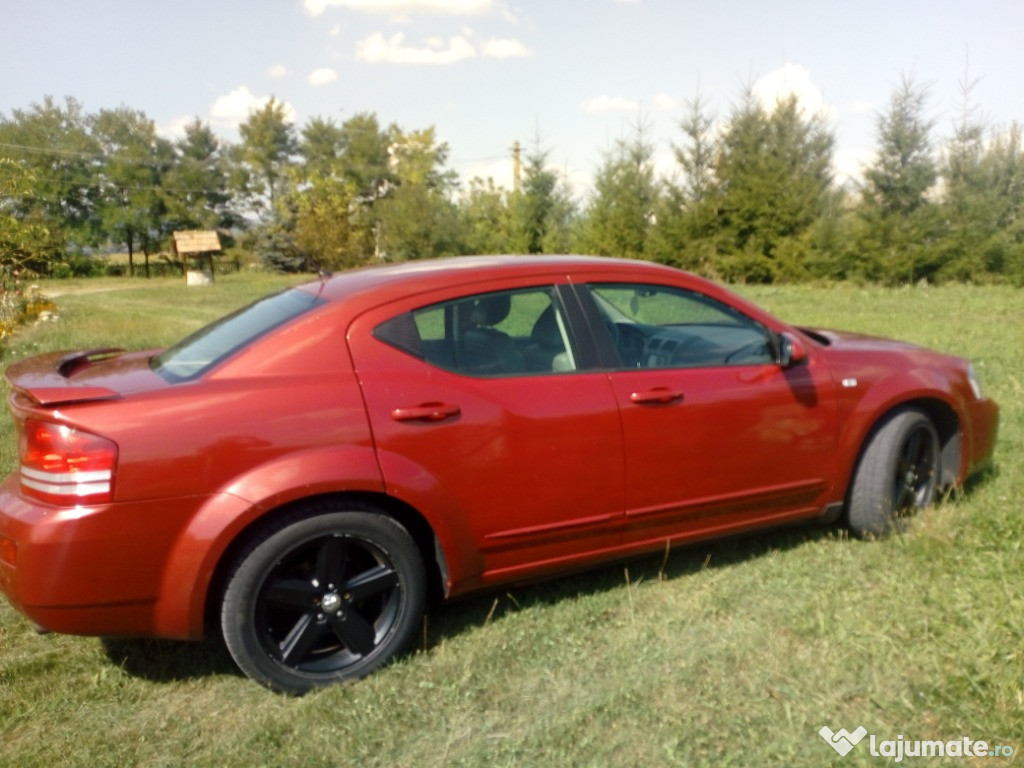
324, 595
897, 474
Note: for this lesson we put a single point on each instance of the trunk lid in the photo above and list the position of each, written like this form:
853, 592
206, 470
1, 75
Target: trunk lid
81, 376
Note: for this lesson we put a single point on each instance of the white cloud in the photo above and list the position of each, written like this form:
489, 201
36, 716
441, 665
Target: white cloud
849, 164
500, 171
378, 49
234, 108
792, 79
322, 76
175, 129
665, 101
403, 10
278, 70
508, 48
610, 104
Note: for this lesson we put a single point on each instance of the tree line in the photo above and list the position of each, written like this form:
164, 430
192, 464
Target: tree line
753, 198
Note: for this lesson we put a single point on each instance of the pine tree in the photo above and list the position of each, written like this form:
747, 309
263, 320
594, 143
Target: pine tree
900, 225
622, 210
775, 176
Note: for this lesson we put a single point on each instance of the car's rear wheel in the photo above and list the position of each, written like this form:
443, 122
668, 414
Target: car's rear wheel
325, 595
897, 474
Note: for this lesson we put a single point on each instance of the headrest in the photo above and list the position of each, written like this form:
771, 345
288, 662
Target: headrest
491, 310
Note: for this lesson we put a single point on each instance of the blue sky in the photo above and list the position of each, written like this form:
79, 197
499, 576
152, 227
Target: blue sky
484, 73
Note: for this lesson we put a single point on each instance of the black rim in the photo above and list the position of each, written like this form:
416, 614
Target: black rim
328, 604
915, 471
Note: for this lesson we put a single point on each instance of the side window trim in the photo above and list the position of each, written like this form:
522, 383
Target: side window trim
606, 357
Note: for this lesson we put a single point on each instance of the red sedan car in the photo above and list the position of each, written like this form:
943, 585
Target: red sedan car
302, 473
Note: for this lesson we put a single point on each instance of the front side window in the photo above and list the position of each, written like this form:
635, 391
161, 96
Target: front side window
654, 326
502, 333
199, 352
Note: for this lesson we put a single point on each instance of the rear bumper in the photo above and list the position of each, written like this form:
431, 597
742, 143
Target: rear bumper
86, 570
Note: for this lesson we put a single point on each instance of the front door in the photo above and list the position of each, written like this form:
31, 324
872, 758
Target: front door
718, 436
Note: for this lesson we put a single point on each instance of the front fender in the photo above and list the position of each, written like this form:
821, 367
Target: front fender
223, 516
866, 403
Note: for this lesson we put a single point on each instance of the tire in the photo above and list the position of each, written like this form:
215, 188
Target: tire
326, 595
897, 474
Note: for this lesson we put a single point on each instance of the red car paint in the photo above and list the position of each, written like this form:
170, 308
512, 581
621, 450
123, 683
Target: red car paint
514, 476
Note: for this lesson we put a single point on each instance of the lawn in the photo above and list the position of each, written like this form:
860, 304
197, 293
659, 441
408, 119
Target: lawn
734, 653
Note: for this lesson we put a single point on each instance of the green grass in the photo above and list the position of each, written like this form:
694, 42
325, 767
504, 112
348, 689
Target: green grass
726, 654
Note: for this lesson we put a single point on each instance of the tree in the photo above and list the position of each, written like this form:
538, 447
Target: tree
621, 213
697, 157
26, 238
983, 206
904, 171
365, 160
134, 160
417, 218
324, 233
195, 189
266, 152
372, 193
1003, 175
53, 147
484, 218
320, 146
687, 214
416, 222
542, 210
899, 222
775, 172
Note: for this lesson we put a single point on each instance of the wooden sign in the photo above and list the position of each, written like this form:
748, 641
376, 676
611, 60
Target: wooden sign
196, 241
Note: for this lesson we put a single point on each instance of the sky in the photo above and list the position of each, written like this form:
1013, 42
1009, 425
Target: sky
566, 77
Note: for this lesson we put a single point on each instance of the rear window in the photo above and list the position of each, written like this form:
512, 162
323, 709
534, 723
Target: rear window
193, 356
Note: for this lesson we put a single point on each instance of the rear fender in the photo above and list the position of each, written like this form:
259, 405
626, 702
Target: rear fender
418, 488
202, 544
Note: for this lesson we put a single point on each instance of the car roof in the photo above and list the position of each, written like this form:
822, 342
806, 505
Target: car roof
428, 274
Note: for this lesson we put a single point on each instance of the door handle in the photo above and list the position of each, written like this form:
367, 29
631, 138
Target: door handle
656, 396
426, 412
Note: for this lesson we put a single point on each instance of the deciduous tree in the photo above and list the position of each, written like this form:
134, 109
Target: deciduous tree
134, 161
266, 152
51, 143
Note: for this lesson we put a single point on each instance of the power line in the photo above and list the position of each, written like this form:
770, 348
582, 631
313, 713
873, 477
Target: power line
132, 187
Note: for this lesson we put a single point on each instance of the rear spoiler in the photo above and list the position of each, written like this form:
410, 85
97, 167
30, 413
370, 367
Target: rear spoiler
46, 379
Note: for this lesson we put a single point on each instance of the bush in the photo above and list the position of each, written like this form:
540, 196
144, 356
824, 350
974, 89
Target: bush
19, 306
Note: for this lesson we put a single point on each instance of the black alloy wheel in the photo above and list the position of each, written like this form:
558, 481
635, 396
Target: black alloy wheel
323, 599
897, 474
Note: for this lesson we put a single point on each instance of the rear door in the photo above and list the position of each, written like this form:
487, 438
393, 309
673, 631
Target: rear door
486, 418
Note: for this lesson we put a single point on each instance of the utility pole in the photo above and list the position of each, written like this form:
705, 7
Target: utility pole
517, 167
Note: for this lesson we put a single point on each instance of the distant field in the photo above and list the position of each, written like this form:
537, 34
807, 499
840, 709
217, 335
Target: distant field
727, 654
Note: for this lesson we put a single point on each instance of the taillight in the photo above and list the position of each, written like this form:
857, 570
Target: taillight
64, 465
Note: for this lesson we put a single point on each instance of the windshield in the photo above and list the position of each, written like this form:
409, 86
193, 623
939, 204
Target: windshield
194, 355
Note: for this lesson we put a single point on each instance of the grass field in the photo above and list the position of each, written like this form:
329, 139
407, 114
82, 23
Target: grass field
727, 654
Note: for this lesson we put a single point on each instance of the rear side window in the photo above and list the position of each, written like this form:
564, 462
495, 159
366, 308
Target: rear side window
505, 333
193, 356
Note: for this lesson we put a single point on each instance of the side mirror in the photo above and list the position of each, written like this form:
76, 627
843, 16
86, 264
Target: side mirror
791, 350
